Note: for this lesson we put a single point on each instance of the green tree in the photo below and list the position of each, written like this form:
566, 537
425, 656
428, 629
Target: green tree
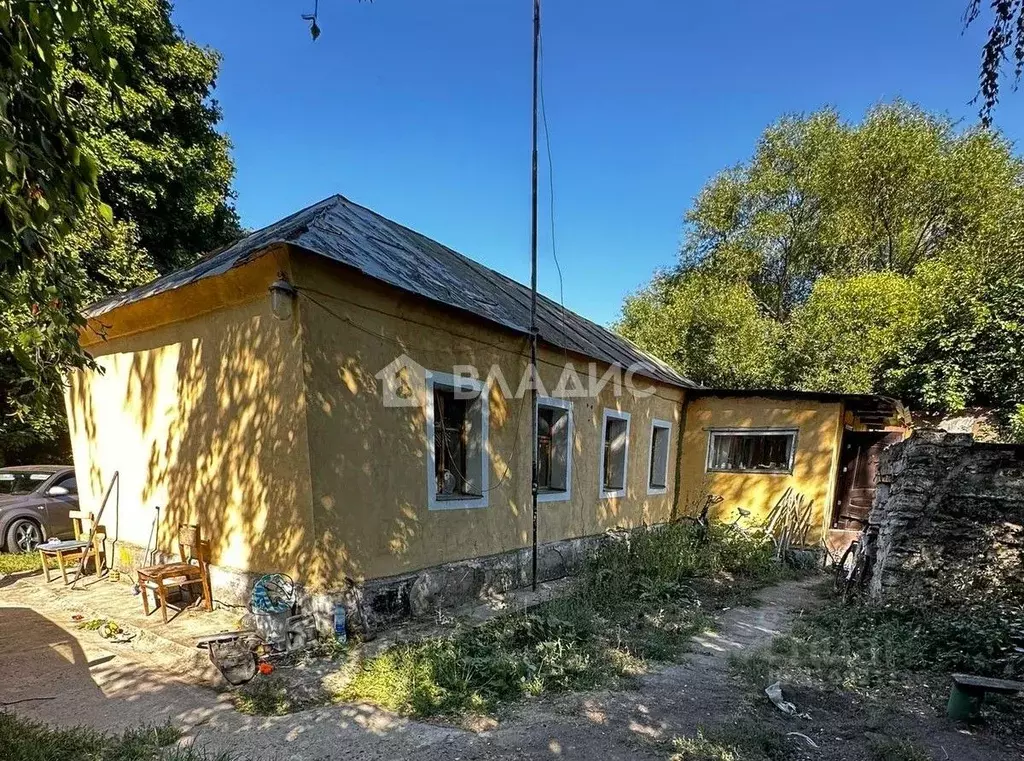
841, 337
163, 169
48, 182
162, 163
710, 329
882, 255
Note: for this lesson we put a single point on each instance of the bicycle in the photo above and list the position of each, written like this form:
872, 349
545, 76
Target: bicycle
853, 571
701, 521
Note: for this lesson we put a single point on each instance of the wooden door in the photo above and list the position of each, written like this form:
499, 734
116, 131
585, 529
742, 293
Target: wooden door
858, 468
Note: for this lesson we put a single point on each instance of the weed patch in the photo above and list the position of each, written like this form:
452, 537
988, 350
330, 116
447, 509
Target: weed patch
888, 749
640, 598
864, 645
264, 696
24, 740
19, 562
744, 741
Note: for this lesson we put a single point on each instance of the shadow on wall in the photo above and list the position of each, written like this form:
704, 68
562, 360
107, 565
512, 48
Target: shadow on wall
204, 419
799, 500
368, 462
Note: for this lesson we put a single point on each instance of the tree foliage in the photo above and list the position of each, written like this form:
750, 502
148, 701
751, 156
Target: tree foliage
1005, 40
160, 176
886, 255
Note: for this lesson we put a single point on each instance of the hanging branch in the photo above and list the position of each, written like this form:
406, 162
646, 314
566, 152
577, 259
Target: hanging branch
1005, 38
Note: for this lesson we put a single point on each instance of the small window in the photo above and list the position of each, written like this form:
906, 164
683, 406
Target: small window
615, 453
457, 465
751, 451
451, 436
657, 481
554, 449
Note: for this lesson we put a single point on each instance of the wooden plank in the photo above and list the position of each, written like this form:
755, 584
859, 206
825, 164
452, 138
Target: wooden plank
1006, 686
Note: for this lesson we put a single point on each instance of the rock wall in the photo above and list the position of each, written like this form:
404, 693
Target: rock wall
949, 517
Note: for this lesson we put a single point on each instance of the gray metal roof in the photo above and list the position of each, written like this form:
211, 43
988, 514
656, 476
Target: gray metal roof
345, 232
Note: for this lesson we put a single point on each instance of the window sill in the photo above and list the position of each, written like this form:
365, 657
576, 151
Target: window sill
613, 493
746, 472
553, 495
652, 490
456, 501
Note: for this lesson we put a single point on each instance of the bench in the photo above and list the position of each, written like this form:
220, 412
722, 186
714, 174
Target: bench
969, 692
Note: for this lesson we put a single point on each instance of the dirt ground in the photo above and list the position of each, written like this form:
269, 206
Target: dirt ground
86, 680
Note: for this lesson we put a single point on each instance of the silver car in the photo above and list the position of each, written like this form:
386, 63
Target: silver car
34, 504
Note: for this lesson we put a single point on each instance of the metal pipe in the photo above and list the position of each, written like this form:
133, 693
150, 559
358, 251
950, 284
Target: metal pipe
533, 292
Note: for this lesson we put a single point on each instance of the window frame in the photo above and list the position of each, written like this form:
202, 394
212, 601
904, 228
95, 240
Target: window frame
612, 414
558, 495
665, 425
793, 433
482, 412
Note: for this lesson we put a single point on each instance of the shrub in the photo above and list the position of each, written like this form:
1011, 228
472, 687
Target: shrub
636, 599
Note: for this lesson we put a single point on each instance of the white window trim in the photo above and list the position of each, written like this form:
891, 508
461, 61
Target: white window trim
610, 414
559, 496
712, 432
447, 380
667, 425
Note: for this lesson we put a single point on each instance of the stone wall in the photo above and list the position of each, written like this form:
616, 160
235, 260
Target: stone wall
949, 517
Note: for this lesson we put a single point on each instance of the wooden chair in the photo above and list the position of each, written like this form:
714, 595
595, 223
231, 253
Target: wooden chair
192, 570
86, 544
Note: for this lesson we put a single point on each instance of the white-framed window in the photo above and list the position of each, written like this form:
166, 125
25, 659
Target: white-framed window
657, 467
457, 428
554, 439
614, 453
751, 450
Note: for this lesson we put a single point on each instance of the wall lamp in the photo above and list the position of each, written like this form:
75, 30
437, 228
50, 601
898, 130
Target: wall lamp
282, 298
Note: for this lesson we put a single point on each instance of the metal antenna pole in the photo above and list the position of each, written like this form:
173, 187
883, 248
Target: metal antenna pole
533, 291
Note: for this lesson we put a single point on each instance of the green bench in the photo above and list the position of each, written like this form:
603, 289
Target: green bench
969, 693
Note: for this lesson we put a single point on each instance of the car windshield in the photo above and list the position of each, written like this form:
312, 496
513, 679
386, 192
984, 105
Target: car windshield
21, 482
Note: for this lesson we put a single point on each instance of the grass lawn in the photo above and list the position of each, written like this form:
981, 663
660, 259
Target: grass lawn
23, 740
15, 563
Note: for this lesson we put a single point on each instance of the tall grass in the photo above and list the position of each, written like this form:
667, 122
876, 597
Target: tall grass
24, 740
640, 597
867, 645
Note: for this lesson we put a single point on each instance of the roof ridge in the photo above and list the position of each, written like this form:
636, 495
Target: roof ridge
349, 233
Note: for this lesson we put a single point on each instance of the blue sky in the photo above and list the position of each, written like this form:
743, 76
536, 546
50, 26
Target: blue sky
419, 109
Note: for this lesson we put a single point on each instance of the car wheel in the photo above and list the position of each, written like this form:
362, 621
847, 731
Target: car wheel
24, 535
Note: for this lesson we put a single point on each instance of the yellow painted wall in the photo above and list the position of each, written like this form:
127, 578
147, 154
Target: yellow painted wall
200, 408
819, 431
368, 462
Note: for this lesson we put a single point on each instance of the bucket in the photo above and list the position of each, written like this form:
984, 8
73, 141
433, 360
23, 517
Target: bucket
273, 627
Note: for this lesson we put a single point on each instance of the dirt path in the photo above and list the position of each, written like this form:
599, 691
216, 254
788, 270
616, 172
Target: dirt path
93, 683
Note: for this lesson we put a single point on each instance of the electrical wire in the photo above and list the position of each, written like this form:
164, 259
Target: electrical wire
551, 192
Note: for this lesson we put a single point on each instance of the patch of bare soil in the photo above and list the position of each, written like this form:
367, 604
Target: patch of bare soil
701, 696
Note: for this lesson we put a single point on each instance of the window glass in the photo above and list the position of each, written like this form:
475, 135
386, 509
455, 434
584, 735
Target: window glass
552, 448
450, 439
70, 483
659, 456
761, 451
21, 482
616, 432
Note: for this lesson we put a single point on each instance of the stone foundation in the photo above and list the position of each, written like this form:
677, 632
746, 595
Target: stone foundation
375, 604
948, 517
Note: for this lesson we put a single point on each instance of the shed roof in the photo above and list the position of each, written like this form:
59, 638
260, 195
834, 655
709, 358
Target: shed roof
870, 408
345, 232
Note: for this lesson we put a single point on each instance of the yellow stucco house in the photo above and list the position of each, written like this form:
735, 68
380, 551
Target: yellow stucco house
339, 398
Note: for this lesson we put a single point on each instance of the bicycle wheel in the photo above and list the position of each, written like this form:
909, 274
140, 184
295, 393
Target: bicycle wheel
844, 570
